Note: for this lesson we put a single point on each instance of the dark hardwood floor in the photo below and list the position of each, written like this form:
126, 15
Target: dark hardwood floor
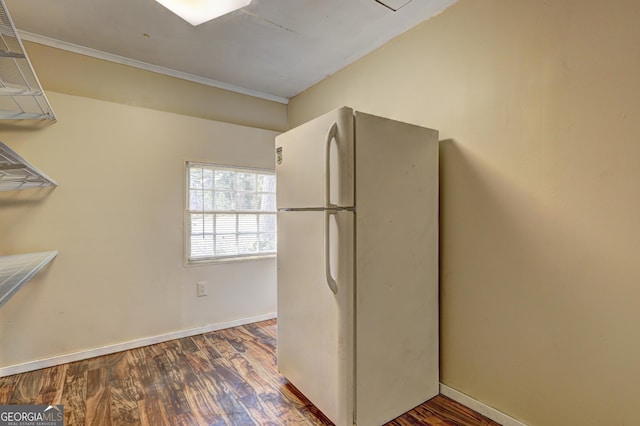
227, 377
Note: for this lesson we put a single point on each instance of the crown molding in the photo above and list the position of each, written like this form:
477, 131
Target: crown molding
82, 50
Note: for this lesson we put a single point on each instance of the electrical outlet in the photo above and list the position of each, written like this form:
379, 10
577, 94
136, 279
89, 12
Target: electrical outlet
202, 288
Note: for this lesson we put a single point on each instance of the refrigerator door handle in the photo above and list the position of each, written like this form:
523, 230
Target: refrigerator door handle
327, 252
331, 135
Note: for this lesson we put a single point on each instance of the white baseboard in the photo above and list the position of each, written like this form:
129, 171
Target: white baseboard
485, 410
106, 350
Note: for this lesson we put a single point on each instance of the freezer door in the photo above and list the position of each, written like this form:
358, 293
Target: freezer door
314, 163
315, 325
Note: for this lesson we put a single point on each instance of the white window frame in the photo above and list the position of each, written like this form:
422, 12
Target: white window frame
189, 259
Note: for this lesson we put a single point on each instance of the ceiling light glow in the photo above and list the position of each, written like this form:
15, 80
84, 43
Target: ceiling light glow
197, 12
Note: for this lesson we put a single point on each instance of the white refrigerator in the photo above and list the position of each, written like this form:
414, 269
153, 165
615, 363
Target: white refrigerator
357, 199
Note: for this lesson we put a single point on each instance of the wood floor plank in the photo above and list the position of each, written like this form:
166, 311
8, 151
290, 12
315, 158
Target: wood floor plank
152, 413
306, 408
430, 419
7, 386
221, 383
27, 387
257, 353
261, 396
204, 404
229, 345
260, 350
52, 385
209, 362
408, 420
98, 402
123, 392
151, 409
421, 415
242, 391
74, 393
223, 395
223, 378
170, 377
270, 327
458, 413
178, 387
266, 335
188, 345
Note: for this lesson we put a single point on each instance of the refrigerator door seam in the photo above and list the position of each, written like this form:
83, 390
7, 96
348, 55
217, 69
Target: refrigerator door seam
317, 209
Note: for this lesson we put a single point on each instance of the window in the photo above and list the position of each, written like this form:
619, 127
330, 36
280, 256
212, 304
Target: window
230, 212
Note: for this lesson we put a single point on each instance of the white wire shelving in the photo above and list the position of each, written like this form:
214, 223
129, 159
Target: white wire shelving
21, 96
21, 100
17, 173
17, 269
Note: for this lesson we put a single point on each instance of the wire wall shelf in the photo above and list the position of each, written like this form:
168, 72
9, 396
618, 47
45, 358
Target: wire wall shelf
17, 173
21, 96
17, 269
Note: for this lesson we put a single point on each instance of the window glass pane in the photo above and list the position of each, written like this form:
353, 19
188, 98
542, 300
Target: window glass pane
221, 190
207, 178
266, 183
247, 201
267, 202
225, 224
208, 224
195, 178
247, 243
207, 200
201, 246
225, 179
195, 200
226, 245
247, 223
267, 223
267, 242
224, 201
197, 223
246, 181
201, 224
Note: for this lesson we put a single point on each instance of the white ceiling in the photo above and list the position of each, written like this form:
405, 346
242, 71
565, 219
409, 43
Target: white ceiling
271, 48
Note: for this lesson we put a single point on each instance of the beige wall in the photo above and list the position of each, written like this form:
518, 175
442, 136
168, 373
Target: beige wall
539, 112
117, 220
67, 72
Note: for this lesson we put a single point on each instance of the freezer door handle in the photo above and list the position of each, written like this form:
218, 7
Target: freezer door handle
331, 135
327, 252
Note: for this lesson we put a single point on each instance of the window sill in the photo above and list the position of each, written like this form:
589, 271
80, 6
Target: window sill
208, 262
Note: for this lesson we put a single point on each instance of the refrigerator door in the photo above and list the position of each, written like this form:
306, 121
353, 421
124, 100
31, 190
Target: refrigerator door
315, 325
314, 163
